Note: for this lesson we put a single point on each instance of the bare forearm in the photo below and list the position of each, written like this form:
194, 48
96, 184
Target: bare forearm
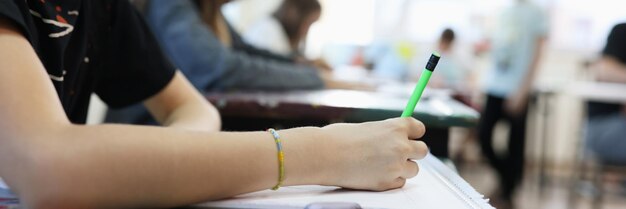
180, 105
617, 76
533, 68
611, 70
151, 167
195, 117
527, 83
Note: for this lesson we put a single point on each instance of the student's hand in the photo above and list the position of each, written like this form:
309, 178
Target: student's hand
330, 82
321, 65
516, 104
375, 155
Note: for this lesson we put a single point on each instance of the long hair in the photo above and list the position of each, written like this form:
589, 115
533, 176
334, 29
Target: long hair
292, 14
209, 11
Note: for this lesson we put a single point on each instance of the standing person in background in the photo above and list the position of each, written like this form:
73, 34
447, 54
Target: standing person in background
286, 30
606, 125
517, 46
198, 39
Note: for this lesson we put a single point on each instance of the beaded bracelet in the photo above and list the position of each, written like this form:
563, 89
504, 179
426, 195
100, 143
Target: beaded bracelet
281, 158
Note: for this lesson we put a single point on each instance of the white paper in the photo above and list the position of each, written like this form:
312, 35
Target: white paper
5, 191
426, 190
3, 185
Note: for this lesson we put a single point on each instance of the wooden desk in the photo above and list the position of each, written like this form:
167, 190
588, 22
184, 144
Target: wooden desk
342, 105
259, 111
599, 91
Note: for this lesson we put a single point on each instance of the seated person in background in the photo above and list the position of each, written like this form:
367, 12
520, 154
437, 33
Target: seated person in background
197, 37
451, 73
606, 125
214, 57
286, 30
55, 54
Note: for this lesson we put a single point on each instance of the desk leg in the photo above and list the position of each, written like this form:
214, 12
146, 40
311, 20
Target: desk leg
545, 100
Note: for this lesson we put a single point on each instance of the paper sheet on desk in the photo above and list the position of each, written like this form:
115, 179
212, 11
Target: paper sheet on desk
4, 189
429, 189
3, 185
5, 192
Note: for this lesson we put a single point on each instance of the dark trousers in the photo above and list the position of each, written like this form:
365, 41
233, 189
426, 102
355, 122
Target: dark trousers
509, 166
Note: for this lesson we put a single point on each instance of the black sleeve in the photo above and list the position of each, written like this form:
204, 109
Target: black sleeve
616, 43
136, 68
13, 11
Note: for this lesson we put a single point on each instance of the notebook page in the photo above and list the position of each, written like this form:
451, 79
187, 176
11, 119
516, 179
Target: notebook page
426, 190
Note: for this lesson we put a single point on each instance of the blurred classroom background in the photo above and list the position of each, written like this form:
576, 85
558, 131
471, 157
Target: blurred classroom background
394, 35
391, 39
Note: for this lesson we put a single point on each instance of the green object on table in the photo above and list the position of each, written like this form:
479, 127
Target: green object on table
421, 85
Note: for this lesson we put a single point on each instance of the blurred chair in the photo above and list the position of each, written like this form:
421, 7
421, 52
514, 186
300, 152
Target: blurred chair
590, 178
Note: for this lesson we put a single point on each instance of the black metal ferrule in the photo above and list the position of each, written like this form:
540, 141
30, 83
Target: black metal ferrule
432, 62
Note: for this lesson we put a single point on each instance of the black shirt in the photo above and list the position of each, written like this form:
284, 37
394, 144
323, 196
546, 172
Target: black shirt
87, 46
616, 48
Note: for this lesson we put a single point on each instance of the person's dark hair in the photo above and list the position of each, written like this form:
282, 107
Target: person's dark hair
292, 14
214, 5
140, 5
447, 36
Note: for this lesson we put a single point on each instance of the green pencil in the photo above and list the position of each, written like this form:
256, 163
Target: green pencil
421, 85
